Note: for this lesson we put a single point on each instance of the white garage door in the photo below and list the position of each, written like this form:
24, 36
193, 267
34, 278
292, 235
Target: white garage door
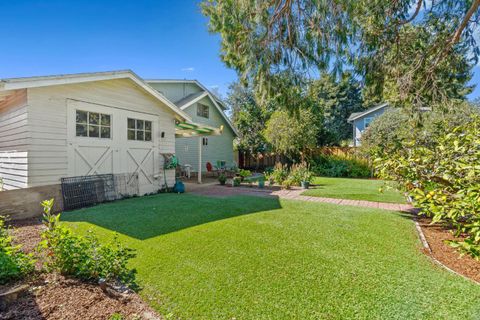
104, 140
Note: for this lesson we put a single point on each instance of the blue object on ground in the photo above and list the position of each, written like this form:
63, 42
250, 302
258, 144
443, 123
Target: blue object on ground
179, 187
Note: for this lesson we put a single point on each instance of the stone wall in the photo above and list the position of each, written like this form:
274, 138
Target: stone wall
25, 203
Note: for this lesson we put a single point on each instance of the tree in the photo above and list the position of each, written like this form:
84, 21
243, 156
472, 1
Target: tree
332, 102
291, 135
249, 118
264, 39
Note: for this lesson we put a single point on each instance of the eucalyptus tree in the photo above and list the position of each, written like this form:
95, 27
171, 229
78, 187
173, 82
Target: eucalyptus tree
401, 49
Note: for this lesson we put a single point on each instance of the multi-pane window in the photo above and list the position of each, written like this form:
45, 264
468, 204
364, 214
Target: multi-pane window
205, 141
140, 130
93, 125
202, 110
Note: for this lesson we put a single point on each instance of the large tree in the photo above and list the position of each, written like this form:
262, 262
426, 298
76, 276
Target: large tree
332, 102
248, 117
402, 47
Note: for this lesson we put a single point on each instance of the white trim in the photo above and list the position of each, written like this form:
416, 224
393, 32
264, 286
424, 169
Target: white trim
189, 103
34, 82
367, 112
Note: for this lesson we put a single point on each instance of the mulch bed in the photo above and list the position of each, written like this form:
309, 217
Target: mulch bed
450, 257
53, 296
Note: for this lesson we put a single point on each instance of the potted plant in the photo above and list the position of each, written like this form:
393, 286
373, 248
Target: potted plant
222, 179
306, 178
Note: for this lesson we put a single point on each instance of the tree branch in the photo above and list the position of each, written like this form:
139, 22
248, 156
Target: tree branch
415, 14
466, 19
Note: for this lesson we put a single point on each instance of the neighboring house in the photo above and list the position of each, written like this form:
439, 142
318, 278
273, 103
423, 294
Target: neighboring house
93, 123
204, 108
361, 121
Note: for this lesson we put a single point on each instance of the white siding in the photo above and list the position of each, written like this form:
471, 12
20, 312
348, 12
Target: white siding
175, 91
47, 115
218, 148
14, 141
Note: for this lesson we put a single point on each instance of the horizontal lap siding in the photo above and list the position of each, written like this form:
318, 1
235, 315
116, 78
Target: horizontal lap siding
218, 148
48, 122
14, 141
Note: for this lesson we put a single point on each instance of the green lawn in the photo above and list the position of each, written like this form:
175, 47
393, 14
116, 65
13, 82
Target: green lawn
263, 258
355, 189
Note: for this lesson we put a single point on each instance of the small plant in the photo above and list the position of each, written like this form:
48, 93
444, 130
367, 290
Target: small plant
14, 263
222, 179
279, 173
83, 257
245, 173
236, 181
288, 183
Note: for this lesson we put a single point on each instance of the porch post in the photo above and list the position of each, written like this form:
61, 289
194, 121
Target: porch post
200, 159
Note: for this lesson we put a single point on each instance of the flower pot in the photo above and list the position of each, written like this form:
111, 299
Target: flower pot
261, 184
305, 184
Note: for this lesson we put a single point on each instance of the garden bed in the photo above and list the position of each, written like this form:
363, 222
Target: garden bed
53, 296
450, 257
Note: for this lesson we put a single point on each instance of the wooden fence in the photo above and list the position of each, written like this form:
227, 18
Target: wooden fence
265, 160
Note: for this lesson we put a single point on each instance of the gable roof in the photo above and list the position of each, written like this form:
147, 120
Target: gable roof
193, 81
194, 97
356, 115
42, 81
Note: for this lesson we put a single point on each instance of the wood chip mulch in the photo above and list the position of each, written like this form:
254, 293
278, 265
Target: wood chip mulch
450, 257
53, 296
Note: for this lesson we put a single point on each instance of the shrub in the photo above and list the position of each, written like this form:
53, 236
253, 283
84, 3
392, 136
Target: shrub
300, 172
245, 173
443, 178
14, 263
340, 166
84, 257
279, 174
222, 179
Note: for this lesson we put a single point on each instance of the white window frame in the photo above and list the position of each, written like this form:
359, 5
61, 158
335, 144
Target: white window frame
202, 114
144, 130
99, 125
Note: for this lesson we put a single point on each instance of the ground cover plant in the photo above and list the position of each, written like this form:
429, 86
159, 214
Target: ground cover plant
264, 258
355, 189
14, 263
341, 166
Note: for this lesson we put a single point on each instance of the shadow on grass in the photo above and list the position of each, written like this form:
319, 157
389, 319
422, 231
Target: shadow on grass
151, 216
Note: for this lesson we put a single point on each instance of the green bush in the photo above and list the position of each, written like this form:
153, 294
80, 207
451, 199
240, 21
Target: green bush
300, 172
14, 263
443, 178
84, 257
340, 166
245, 173
279, 174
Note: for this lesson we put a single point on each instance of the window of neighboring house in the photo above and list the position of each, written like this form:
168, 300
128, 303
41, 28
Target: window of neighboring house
93, 124
202, 110
139, 130
367, 121
205, 141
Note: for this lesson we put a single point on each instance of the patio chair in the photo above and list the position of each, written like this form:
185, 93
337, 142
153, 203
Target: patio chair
211, 170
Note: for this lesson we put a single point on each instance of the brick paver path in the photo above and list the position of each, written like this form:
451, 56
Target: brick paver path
215, 190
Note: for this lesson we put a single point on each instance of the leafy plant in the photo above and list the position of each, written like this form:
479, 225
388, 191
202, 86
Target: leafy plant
14, 263
84, 257
340, 166
300, 173
236, 181
443, 178
222, 179
245, 173
279, 174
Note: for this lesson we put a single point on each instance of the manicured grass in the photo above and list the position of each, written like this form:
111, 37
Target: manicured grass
264, 258
354, 189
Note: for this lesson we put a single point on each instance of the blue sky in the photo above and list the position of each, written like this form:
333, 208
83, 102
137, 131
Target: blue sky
154, 38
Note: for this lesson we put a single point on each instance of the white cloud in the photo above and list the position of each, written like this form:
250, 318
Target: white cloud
188, 69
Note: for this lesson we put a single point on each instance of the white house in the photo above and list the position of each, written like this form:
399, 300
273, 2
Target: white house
204, 108
85, 124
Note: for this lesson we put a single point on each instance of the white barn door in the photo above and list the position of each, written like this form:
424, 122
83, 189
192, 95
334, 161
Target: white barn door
112, 150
